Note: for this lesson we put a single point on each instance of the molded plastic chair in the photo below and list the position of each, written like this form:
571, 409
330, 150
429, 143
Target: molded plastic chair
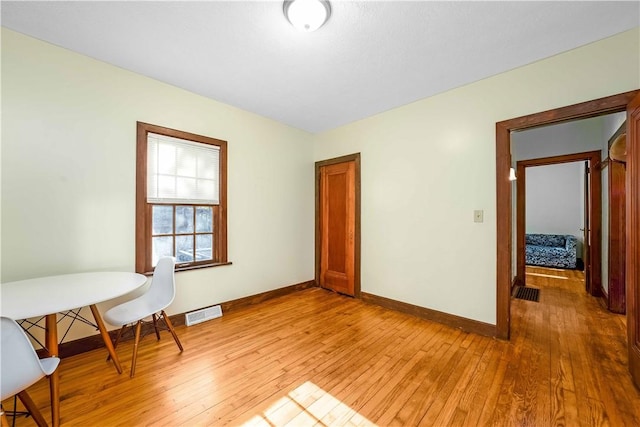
152, 303
20, 366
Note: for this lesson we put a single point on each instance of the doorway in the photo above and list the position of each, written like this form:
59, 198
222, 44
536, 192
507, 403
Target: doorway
592, 206
338, 224
629, 101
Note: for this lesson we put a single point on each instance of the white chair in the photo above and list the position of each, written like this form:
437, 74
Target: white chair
20, 367
152, 303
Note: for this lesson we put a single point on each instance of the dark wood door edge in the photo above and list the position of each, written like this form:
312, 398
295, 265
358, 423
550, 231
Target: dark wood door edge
517, 281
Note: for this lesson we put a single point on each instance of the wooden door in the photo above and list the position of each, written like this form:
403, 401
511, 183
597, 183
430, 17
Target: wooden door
633, 237
338, 227
616, 262
586, 250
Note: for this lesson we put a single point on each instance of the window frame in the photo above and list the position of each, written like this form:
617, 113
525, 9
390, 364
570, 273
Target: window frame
175, 234
144, 209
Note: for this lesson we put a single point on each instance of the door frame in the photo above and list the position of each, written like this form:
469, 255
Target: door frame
632, 231
595, 213
318, 236
616, 172
584, 110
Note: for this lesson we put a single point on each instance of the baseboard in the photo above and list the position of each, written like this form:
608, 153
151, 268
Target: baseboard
604, 294
467, 325
94, 342
264, 296
604, 302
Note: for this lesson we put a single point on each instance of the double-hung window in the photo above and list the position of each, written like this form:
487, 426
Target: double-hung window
180, 198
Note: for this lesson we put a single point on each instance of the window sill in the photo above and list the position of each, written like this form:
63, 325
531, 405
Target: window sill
195, 267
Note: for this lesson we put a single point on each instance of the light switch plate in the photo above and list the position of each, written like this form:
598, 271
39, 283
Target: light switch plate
478, 215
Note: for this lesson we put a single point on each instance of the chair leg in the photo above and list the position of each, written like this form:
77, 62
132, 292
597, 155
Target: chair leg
117, 339
155, 325
135, 348
5, 423
32, 408
170, 326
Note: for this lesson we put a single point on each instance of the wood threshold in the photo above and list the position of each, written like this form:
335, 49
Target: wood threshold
457, 322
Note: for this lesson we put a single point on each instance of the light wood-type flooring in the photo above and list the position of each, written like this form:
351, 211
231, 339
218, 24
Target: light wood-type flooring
317, 358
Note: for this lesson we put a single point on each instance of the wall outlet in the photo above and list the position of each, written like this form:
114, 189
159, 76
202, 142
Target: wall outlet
478, 216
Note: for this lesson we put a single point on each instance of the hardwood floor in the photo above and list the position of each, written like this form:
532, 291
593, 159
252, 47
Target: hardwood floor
317, 358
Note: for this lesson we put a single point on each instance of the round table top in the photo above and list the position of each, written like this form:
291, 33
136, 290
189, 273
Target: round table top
53, 294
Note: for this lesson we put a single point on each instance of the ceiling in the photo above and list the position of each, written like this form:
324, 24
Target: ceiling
370, 57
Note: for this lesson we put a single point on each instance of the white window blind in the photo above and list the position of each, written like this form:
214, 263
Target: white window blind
182, 171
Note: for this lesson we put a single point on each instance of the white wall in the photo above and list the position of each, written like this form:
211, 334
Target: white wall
68, 127
610, 124
68, 176
427, 165
565, 138
555, 199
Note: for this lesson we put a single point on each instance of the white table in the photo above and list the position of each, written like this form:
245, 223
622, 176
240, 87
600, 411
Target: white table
46, 296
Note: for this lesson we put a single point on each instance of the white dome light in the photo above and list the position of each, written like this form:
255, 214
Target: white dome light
307, 15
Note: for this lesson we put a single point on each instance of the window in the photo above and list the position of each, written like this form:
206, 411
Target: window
181, 198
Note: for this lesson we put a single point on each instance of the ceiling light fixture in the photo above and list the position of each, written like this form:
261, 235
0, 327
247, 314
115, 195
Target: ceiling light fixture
307, 15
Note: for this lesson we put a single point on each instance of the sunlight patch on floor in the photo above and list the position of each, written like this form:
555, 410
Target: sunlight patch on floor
308, 405
547, 275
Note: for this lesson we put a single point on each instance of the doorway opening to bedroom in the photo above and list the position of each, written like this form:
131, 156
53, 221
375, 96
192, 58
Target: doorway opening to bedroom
557, 207
561, 201
629, 102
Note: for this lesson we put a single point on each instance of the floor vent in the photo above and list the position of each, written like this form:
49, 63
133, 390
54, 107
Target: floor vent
203, 315
529, 294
